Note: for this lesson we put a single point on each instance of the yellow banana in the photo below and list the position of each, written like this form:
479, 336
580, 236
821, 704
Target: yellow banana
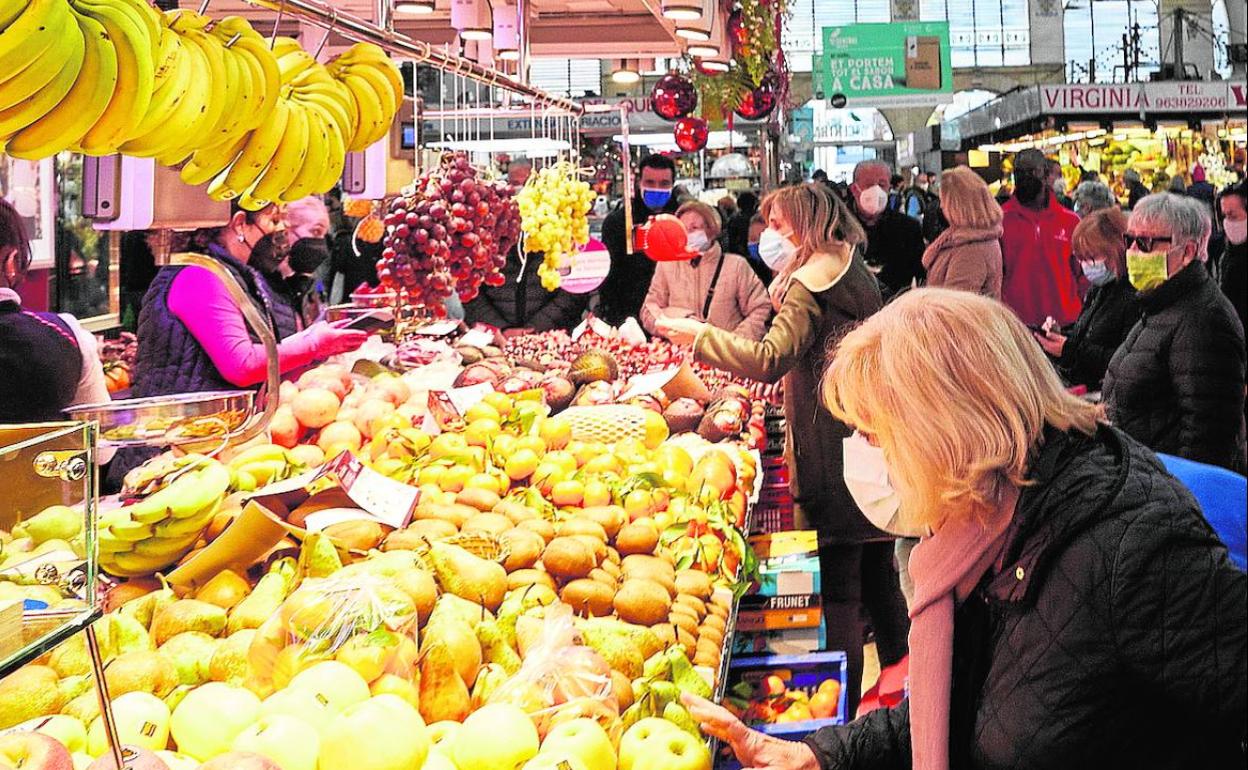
183, 121
202, 132
210, 161
239, 96
371, 55
334, 162
309, 174
286, 161
33, 32
334, 100
175, 79
136, 76
375, 118
26, 112
266, 77
66, 123
258, 453
9, 11
255, 157
41, 72
149, 17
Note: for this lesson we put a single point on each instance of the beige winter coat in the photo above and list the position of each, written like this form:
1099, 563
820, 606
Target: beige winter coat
679, 290
966, 258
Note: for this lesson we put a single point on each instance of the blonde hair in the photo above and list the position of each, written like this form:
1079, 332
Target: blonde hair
709, 214
957, 394
1099, 236
821, 223
966, 200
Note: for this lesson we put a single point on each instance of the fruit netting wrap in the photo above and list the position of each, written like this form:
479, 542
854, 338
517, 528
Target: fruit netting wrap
607, 423
361, 620
560, 679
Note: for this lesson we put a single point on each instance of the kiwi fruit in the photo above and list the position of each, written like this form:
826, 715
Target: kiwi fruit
622, 688
613, 556
648, 563
515, 510
489, 523
684, 622
524, 548
604, 577
611, 568
686, 639
701, 657
644, 602
666, 633
714, 621
540, 526
599, 547
481, 499
722, 599
695, 583
579, 526
523, 577
610, 517
711, 634
431, 529
636, 539
696, 605
717, 611
568, 558
587, 596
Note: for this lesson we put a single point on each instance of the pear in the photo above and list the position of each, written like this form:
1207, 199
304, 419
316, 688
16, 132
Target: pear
369, 654
226, 589
452, 607
495, 648
468, 576
73, 686
265, 599
190, 652
56, 522
518, 602
641, 637
685, 677
85, 707
176, 695
229, 660
318, 557
71, 658
616, 650
443, 694
140, 672
127, 634
187, 615
461, 644
680, 716
27, 693
492, 677
144, 607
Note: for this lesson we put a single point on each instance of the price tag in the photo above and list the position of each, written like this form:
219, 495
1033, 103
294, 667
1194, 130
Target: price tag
651, 382
476, 338
390, 502
588, 270
465, 398
436, 329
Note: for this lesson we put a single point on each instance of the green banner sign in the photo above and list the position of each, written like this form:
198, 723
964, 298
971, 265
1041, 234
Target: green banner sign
905, 63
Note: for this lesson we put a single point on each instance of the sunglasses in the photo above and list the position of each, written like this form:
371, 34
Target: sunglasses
1145, 242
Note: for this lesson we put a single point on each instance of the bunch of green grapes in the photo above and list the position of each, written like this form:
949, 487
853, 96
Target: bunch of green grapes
554, 209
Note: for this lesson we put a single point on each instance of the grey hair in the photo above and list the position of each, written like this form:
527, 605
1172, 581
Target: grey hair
1131, 175
863, 165
1186, 218
1091, 196
520, 163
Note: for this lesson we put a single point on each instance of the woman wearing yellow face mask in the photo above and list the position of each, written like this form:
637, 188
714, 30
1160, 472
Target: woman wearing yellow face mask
1177, 383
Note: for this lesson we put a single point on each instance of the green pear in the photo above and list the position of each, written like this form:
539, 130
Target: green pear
680, 716
190, 652
27, 693
145, 607
84, 708
140, 672
318, 557
70, 658
685, 677
73, 686
56, 522
265, 599
495, 648
187, 615
230, 662
127, 634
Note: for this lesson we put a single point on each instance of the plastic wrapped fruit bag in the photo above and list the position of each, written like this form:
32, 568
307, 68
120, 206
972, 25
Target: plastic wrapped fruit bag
360, 621
560, 679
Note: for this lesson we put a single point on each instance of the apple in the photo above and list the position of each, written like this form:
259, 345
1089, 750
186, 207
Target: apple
657, 744
335, 684
315, 407
296, 703
208, 719
177, 760
240, 760
133, 758
584, 739
440, 733
286, 392
34, 751
436, 760
142, 720
284, 429
381, 733
396, 685
498, 736
82, 760
774, 686
70, 731
288, 741
558, 760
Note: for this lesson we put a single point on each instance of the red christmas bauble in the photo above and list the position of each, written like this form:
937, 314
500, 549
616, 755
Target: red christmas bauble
759, 103
673, 97
737, 32
691, 134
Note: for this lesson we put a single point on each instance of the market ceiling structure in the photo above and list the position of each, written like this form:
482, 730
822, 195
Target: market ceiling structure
589, 29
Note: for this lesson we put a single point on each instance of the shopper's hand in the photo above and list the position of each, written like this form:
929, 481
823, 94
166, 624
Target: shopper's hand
331, 339
1052, 342
754, 750
682, 331
518, 332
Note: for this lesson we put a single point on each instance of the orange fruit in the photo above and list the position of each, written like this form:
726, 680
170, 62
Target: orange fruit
481, 432
482, 411
567, 493
455, 478
557, 432
446, 444
563, 459
521, 464
656, 429
536, 443
597, 493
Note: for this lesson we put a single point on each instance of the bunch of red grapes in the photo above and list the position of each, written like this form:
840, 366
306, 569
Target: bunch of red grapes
449, 235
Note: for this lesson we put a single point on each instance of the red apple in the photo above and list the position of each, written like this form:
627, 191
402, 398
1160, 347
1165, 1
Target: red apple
134, 757
34, 751
240, 760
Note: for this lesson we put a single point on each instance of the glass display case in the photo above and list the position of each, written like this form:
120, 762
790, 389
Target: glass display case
47, 537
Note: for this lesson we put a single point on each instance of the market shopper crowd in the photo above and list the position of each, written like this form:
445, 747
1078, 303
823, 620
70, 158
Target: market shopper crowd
940, 354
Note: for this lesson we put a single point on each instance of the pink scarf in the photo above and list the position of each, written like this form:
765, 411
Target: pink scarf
946, 567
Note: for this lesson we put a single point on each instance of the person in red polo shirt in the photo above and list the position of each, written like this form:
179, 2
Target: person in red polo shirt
1041, 278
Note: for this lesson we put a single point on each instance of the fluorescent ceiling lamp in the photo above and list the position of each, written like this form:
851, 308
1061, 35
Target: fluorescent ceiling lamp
701, 28
713, 63
414, 7
539, 147
693, 33
681, 10
704, 50
664, 141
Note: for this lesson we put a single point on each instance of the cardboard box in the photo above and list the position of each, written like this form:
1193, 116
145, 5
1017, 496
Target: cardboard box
923, 62
768, 613
792, 641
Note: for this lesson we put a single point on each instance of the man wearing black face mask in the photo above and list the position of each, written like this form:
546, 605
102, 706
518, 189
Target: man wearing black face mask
624, 290
1041, 277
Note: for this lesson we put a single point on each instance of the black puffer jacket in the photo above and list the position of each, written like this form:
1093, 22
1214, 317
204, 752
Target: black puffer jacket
1177, 382
523, 303
1113, 637
1109, 312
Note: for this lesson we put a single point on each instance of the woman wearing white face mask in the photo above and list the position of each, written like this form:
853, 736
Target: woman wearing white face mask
821, 289
1233, 266
1083, 349
1067, 587
715, 286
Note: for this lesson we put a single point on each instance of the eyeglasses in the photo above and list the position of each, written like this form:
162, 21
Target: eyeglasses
1145, 242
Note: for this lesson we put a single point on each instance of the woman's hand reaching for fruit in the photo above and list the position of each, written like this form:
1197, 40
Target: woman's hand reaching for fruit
754, 750
682, 331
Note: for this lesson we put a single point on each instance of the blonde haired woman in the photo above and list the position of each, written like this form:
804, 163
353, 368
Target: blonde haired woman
821, 290
1068, 588
966, 256
715, 286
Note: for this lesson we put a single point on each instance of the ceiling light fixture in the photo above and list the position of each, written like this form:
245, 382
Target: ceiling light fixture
626, 71
414, 7
471, 18
681, 10
506, 33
